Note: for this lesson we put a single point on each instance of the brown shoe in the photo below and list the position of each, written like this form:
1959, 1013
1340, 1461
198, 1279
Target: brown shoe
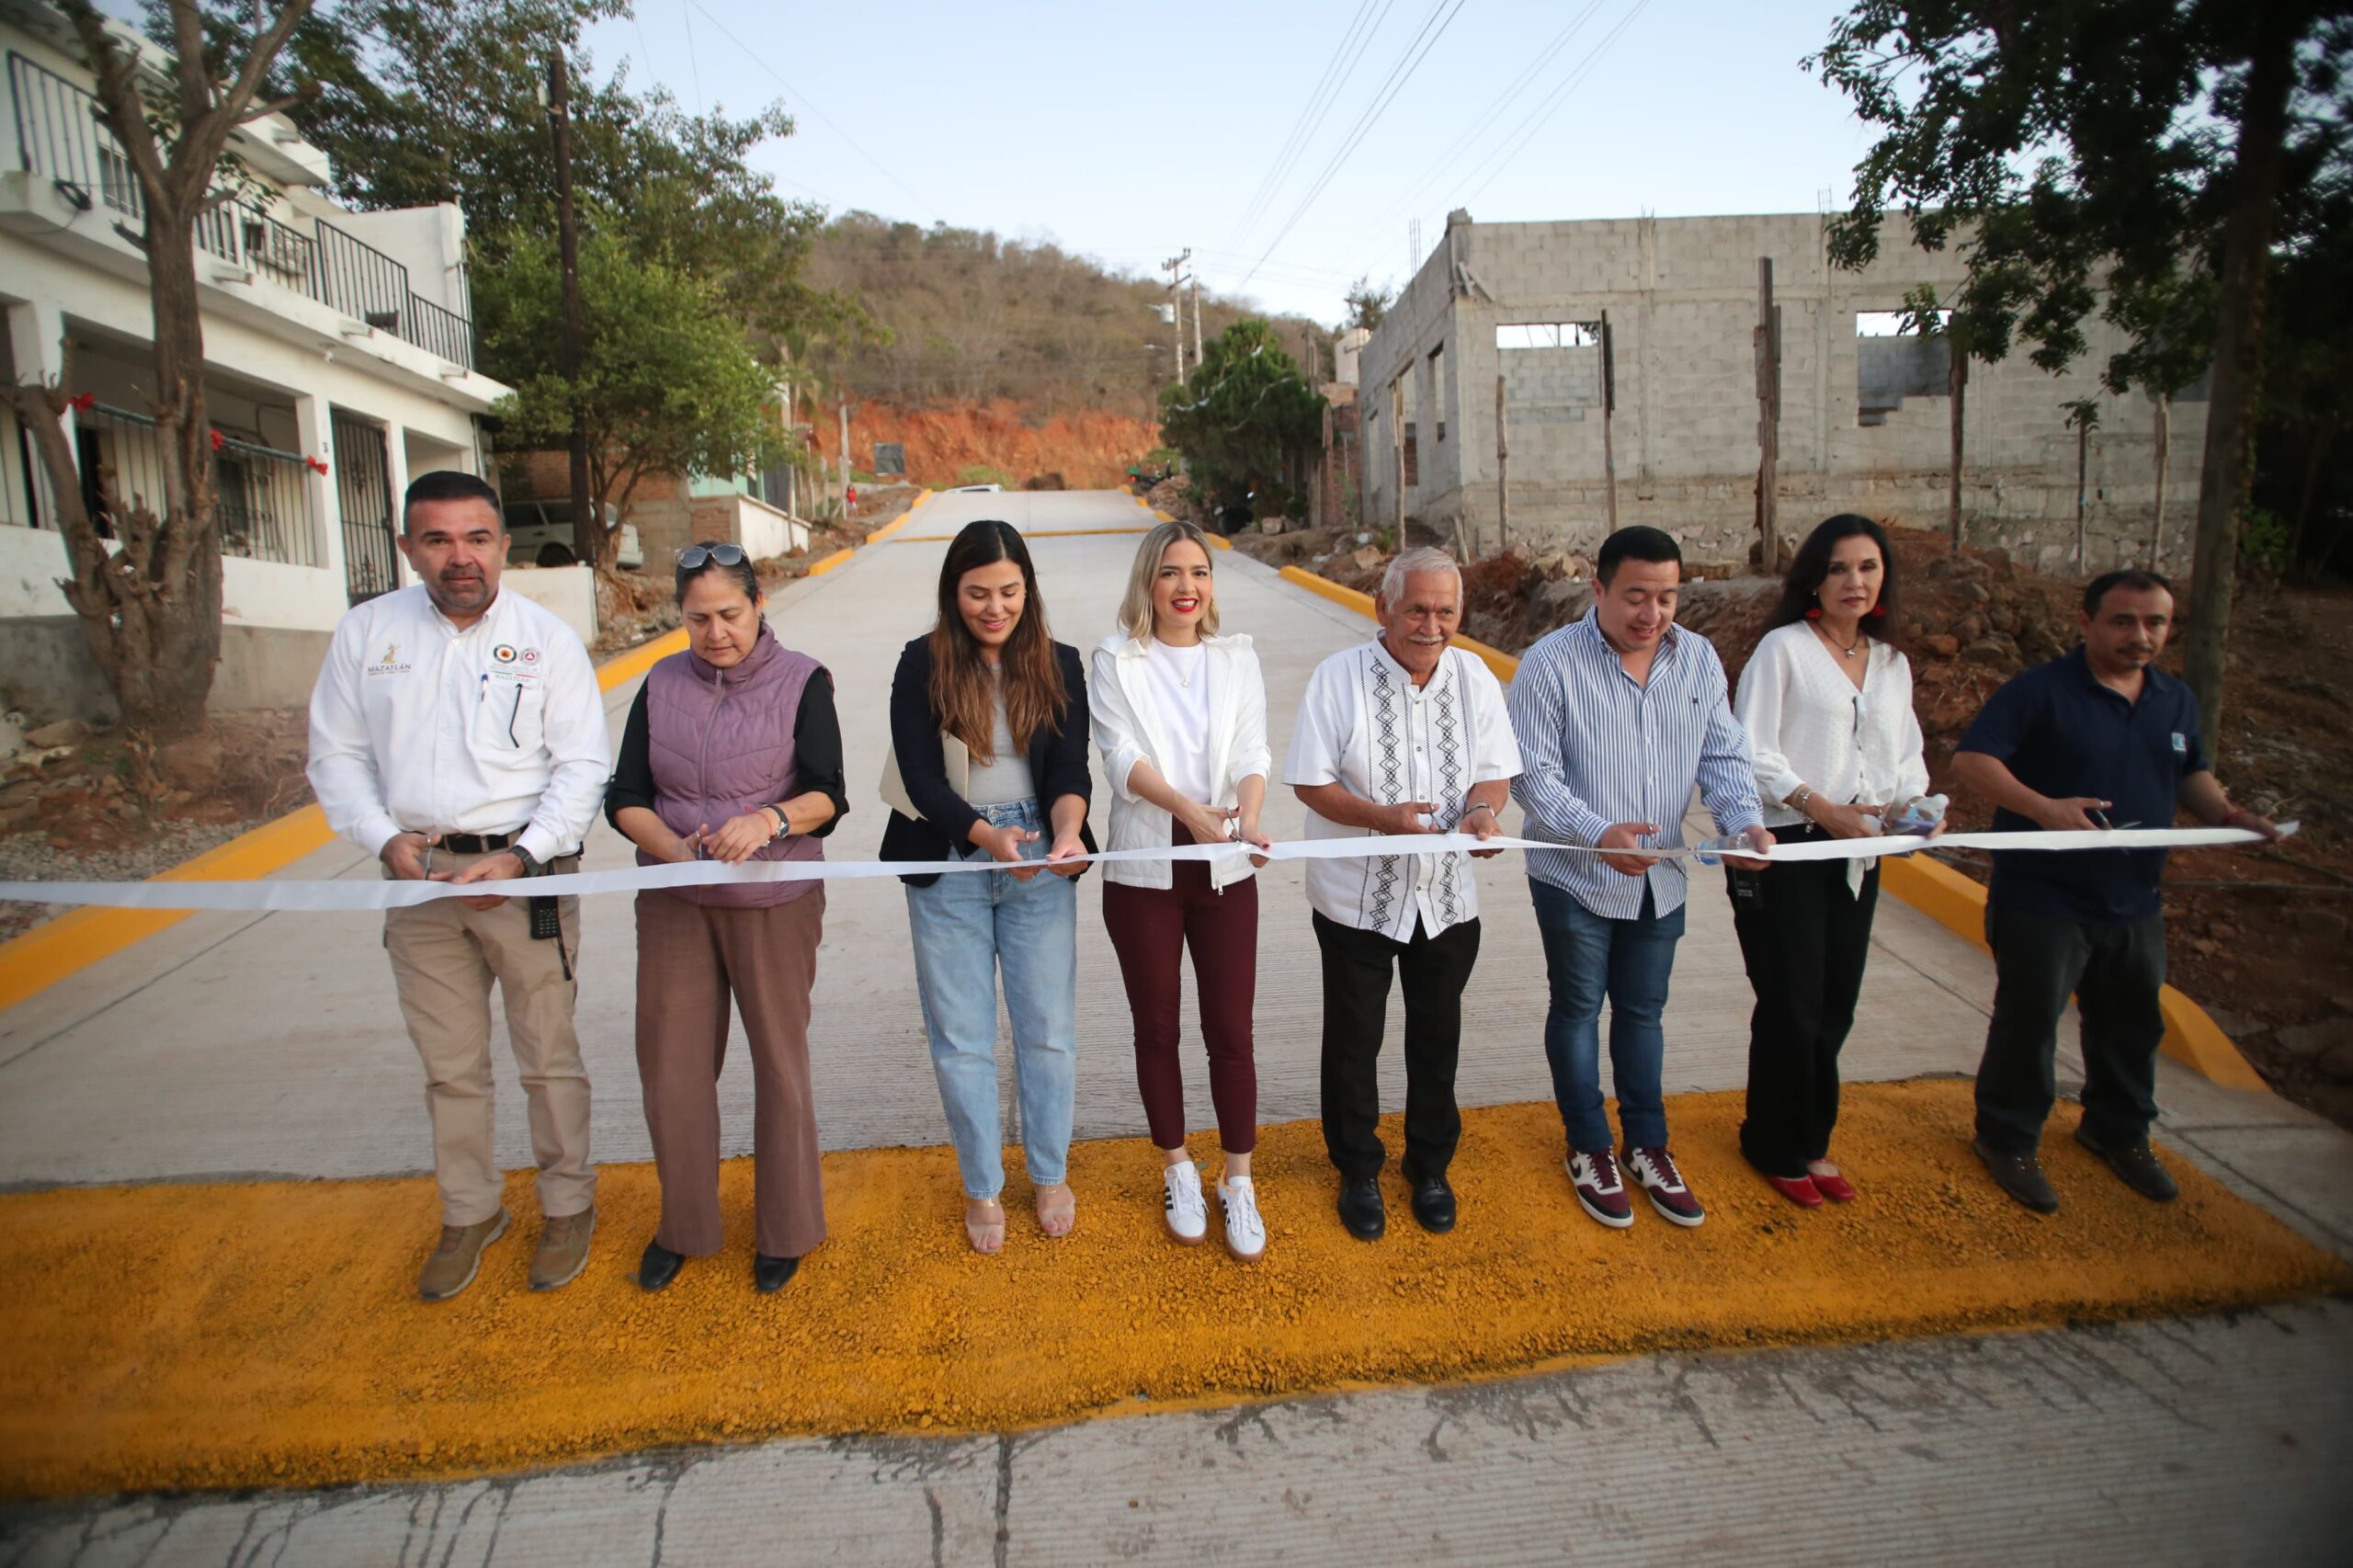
455, 1261
563, 1249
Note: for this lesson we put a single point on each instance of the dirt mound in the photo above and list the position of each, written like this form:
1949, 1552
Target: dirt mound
1087, 448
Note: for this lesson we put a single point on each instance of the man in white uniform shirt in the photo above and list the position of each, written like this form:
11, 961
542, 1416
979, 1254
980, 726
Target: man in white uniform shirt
457, 733
1402, 736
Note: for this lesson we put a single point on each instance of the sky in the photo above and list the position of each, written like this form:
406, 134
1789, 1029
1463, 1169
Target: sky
1130, 133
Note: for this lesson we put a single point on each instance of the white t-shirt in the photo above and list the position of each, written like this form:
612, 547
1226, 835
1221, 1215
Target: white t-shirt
1180, 687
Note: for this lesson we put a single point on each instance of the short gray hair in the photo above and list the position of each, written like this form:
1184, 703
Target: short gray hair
1406, 562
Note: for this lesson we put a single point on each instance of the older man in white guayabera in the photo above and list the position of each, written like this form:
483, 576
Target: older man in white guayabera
1403, 734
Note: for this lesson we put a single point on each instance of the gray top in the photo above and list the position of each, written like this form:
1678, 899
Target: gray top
1007, 780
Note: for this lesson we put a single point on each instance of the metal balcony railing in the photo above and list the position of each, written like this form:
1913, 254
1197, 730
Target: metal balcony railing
265, 508
61, 133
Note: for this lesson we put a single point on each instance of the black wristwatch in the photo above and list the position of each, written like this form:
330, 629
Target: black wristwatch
532, 865
782, 827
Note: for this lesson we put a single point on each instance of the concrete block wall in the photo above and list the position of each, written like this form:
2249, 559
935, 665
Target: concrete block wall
1681, 299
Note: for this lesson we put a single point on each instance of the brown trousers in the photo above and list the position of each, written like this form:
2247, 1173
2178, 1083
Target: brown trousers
445, 958
690, 956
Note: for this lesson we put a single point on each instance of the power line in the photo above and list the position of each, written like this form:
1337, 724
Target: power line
810, 104
694, 67
1399, 74
1319, 104
1478, 128
1545, 110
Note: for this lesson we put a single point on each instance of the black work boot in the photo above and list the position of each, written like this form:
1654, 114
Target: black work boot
2135, 1166
1361, 1210
2021, 1176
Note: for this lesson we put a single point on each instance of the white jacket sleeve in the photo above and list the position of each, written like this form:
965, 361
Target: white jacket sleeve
343, 757
1912, 751
1119, 738
579, 751
1252, 755
1764, 688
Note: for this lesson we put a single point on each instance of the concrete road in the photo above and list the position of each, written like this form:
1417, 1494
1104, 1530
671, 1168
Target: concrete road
237, 1046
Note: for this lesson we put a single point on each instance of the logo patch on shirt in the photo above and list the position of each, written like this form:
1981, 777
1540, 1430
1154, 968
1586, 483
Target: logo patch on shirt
2181, 744
388, 662
504, 652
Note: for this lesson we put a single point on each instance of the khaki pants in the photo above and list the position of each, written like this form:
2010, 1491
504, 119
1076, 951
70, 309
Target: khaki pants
690, 956
445, 957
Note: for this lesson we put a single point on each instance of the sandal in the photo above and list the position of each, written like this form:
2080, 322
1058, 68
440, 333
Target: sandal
984, 1224
1057, 1210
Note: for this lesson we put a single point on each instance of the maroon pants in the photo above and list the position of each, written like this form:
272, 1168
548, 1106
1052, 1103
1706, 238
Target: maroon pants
1150, 930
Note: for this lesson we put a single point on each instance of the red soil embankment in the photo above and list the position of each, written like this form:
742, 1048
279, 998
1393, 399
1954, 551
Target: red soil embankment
1089, 449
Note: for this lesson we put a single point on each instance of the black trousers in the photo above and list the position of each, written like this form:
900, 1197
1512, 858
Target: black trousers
2114, 971
1805, 938
1356, 967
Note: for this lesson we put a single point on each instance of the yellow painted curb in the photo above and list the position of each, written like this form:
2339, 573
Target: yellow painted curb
1495, 659
819, 568
80, 937
1958, 903
1955, 901
1055, 533
895, 524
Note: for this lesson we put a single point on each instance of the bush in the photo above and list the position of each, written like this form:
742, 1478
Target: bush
980, 474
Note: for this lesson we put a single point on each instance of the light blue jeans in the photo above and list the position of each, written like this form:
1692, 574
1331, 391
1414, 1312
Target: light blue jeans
968, 926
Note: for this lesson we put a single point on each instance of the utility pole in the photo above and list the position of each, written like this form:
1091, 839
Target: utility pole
587, 524
2163, 452
845, 411
1174, 266
1197, 318
1957, 369
1502, 487
1768, 337
1608, 408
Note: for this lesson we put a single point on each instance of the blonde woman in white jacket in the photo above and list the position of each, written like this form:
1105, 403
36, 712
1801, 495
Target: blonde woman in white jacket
1180, 721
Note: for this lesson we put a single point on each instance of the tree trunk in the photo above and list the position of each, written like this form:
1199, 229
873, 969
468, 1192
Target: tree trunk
2238, 362
1957, 374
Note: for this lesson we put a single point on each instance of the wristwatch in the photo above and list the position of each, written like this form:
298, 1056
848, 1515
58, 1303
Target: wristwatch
532, 865
780, 826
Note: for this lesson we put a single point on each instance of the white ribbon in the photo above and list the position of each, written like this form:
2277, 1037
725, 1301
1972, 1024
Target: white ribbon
322, 897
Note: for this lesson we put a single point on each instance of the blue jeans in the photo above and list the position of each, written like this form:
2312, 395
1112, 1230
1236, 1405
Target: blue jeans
1587, 955
967, 927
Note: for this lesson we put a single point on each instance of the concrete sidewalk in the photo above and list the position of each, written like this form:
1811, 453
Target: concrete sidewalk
234, 1046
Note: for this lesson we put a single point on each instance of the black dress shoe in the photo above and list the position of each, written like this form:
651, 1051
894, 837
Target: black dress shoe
658, 1266
770, 1275
1361, 1210
1433, 1200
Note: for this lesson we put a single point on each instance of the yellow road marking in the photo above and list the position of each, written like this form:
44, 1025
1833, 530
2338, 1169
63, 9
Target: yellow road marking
269, 1333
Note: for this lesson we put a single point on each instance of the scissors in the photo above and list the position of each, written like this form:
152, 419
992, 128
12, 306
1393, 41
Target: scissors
2101, 818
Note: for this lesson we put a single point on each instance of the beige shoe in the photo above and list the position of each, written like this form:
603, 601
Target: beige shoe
563, 1249
455, 1261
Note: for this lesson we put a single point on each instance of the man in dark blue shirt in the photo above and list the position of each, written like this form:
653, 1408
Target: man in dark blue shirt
2093, 739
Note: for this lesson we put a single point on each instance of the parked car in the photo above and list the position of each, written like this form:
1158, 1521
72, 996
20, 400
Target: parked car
977, 489
538, 533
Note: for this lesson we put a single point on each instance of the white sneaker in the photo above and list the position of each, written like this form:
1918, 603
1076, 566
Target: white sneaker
1182, 1206
1245, 1233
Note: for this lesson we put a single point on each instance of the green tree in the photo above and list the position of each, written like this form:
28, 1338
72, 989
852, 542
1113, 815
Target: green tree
2130, 156
1245, 417
668, 384
148, 591
1368, 302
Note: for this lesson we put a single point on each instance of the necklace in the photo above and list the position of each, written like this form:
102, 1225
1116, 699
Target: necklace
1186, 668
1851, 650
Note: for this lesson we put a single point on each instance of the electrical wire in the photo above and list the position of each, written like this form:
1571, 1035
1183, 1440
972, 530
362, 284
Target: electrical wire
694, 66
1310, 115
1544, 112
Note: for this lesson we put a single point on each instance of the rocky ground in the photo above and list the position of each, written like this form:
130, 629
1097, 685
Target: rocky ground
2257, 937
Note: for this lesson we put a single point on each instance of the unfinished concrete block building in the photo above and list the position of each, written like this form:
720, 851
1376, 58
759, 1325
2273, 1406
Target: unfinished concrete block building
1865, 415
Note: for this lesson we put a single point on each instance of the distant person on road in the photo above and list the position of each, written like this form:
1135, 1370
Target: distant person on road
1403, 734
989, 688
2098, 738
1180, 722
1618, 715
732, 752
458, 734
1826, 700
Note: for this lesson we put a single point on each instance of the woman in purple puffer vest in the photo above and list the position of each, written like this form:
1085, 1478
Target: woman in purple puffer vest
733, 752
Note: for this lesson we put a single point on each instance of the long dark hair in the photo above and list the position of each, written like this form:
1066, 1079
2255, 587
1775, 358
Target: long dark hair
1811, 568
962, 692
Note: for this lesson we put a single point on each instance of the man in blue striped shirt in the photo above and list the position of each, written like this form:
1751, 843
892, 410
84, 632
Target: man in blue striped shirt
1617, 715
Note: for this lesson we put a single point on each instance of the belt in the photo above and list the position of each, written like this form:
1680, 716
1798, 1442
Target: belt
478, 843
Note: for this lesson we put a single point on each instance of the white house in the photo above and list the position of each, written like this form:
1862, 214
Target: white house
340, 360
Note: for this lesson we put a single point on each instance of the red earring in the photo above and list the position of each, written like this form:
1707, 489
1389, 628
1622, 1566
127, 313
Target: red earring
1878, 610
1815, 614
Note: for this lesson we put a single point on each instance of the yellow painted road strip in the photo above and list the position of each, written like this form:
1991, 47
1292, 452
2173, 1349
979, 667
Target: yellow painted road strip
1956, 901
270, 1333
819, 568
1055, 533
901, 521
75, 940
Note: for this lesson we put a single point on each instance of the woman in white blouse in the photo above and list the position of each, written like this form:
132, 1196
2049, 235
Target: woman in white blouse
1827, 702
1180, 721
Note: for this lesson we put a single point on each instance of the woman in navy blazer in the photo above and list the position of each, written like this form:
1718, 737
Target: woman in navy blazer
990, 673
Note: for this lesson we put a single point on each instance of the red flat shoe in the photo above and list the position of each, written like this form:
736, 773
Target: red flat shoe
1833, 1187
1802, 1192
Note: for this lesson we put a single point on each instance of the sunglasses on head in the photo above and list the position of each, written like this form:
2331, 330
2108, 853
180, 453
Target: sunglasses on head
696, 556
